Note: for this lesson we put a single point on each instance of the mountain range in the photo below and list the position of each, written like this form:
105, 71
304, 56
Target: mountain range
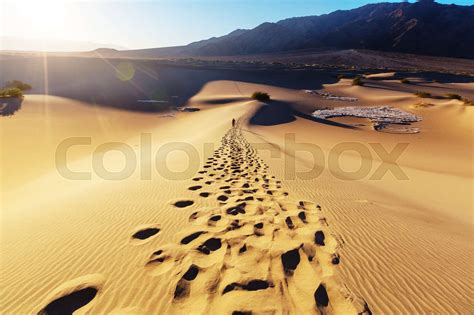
424, 27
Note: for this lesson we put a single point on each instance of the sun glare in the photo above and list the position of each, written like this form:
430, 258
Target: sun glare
43, 18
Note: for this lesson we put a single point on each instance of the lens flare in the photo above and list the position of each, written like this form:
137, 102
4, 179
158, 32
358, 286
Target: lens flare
125, 71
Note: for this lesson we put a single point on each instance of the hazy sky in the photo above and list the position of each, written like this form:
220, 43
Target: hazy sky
143, 24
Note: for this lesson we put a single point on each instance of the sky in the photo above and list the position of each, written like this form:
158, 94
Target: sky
144, 24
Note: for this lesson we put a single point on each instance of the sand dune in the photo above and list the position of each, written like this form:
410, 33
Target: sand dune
400, 235
234, 232
82, 242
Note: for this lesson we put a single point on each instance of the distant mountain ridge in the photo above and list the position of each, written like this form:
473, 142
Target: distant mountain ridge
424, 27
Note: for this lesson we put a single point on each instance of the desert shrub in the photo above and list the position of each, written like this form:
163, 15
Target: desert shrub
423, 94
18, 84
11, 92
405, 81
357, 81
467, 102
261, 96
453, 96
341, 76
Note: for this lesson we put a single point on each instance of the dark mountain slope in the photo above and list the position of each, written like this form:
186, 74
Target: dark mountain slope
421, 28
425, 28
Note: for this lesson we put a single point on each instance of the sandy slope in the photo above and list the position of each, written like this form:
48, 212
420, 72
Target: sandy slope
130, 246
74, 236
408, 243
45, 121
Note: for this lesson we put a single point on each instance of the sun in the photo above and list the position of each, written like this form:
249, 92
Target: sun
43, 18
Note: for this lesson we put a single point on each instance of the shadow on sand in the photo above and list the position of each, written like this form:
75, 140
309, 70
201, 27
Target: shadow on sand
220, 101
96, 80
273, 113
277, 112
322, 121
10, 105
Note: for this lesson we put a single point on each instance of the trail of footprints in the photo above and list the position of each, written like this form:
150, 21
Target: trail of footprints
257, 252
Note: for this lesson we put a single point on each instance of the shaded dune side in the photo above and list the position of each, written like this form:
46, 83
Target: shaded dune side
99, 81
257, 252
273, 113
278, 112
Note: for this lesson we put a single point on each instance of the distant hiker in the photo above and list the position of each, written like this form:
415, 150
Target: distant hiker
233, 122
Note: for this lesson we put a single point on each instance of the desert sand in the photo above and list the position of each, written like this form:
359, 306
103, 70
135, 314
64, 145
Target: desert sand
232, 230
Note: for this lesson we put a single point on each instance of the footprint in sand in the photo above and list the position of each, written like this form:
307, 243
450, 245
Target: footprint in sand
144, 233
205, 194
68, 304
194, 188
188, 239
182, 203
257, 251
72, 296
222, 198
